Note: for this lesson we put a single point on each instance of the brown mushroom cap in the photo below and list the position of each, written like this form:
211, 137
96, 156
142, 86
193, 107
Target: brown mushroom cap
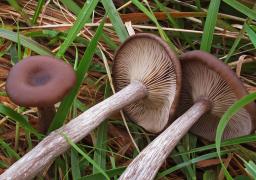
204, 76
39, 81
148, 59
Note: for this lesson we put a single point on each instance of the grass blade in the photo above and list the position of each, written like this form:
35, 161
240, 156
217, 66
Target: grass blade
251, 168
240, 36
19, 45
101, 141
15, 5
153, 18
188, 170
9, 150
210, 175
251, 34
173, 22
224, 121
3, 165
110, 173
14, 54
229, 142
235, 44
80, 73
82, 18
241, 8
18, 118
111, 44
72, 6
25, 41
38, 10
209, 26
88, 158
184, 164
115, 19
76, 174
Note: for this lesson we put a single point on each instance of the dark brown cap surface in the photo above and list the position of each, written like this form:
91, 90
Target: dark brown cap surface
148, 59
204, 76
39, 81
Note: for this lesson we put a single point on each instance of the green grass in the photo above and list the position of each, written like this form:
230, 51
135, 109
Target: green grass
85, 156
115, 19
101, 155
245, 28
83, 17
9, 150
242, 8
72, 6
22, 120
225, 119
150, 14
80, 73
209, 26
25, 41
38, 10
251, 34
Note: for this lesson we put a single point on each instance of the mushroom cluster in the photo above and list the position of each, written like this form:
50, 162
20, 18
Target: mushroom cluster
147, 76
209, 88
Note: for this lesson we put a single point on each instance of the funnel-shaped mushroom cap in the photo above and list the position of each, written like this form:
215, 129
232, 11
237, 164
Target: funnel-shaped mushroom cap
204, 76
148, 59
39, 81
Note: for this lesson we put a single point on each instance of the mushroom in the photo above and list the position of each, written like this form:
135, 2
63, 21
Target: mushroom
146, 58
40, 81
209, 88
221, 89
147, 74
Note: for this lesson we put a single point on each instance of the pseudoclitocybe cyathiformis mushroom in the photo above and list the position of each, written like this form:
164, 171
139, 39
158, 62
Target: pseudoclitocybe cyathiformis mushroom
221, 88
160, 76
209, 88
147, 70
40, 81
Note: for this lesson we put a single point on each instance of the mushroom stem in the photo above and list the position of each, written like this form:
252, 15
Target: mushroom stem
148, 162
46, 115
55, 143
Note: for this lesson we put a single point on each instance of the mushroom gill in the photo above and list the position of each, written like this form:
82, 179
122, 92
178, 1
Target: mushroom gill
208, 84
144, 60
